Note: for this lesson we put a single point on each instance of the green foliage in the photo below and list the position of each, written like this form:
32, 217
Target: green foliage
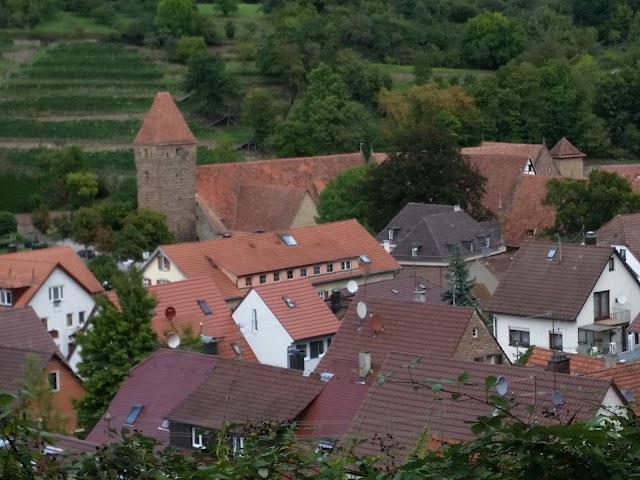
491, 40
84, 225
226, 6
105, 269
230, 30
82, 187
261, 111
587, 205
343, 198
422, 68
143, 230
214, 90
177, 16
459, 286
119, 339
8, 223
25, 13
362, 79
187, 47
41, 218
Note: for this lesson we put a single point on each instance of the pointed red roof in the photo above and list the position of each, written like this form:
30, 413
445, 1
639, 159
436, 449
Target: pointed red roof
164, 124
565, 149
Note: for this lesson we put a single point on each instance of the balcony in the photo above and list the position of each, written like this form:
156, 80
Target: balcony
617, 316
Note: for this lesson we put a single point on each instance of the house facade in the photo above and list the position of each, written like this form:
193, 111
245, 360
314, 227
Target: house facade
276, 319
622, 233
573, 298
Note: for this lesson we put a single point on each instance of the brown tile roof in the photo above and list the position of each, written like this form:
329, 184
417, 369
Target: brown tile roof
331, 413
217, 184
22, 328
625, 376
310, 317
70, 445
12, 365
634, 326
437, 229
526, 211
526, 150
630, 172
418, 328
578, 364
266, 208
29, 269
159, 383
164, 124
252, 253
565, 149
397, 409
498, 265
238, 392
405, 286
560, 286
621, 230
183, 296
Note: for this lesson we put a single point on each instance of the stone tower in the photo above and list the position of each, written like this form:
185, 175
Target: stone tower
569, 159
165, 153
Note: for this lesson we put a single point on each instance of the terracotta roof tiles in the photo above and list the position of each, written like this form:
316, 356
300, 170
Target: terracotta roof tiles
565, 149
164, 124
625, 376
578, 364
266, 208
629, 171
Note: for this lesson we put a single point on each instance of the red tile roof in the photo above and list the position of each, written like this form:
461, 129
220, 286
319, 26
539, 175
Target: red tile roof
22, 328
241, 392
158, 383
396, 408
405, 286
621, 230
310, 317
266, 208
525, 150
164, 124
565, 149
630, 172
526, 211
419, 328
625, 376
70, 445
217, 184
578, 364
253, 253
29, 269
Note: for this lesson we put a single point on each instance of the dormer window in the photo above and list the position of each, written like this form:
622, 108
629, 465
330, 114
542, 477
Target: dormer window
487, 241
415, 250
391, 234
530, 232
6, 298
164, 264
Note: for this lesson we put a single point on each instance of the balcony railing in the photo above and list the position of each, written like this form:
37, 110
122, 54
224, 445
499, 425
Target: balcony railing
616, 316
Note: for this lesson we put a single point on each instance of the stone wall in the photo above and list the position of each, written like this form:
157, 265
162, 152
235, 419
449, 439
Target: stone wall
482, 347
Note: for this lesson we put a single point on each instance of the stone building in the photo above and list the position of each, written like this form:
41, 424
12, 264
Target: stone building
165, 154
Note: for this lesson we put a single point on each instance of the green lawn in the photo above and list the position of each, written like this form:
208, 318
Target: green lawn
437, 72
244, 10
67, 22
4, 64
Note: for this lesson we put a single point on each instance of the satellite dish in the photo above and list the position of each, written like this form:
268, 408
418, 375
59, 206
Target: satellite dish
352, 286
377, 323
502, 385
173, 340
557, 398
170, 313
627, 394
622, 299
362, 310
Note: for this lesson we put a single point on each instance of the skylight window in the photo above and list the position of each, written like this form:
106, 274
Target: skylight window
133, 414
204, 306
288, 239
289, 301
551, 254
395, 291
364, 259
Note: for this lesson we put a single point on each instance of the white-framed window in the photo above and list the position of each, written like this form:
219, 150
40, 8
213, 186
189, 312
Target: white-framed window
530, 232
69, 319
475, 333
303, 272
238, 444
329, 267
518, 338
248, 281
254, 320
487, 241
346, 265
6, 298
316, 269
276, 277
391, 234
197, 437
289, 274
414, 251
555, 340
54, 381
323, 294
623, 253
315, 348
263, 279
146, 282
162, 281
81, 318
56, 293
612, 264
164, 264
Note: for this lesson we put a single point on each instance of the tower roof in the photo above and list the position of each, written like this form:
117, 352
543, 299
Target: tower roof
164, 124
565, 149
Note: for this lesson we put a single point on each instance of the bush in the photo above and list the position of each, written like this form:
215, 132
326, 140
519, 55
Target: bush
186, 47
230, 30
135, 32
104, 14
8, 223
207, 28
246, 51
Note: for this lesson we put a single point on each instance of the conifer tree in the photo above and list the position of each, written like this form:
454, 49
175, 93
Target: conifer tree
459, 287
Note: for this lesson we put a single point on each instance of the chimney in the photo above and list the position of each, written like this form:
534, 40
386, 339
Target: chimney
559, 362
296, 358
456, 208
387, 245
335, 300
590, 238
420, 296
209, 345
364, 365
610, 360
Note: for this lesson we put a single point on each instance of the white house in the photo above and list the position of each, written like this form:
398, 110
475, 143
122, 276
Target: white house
623, 233
280, 321
56, 283
575, 298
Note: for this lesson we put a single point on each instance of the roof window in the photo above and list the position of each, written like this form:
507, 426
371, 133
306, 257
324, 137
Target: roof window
552, 253
204, 306
133, 414
364, 259
289, 301
288, 239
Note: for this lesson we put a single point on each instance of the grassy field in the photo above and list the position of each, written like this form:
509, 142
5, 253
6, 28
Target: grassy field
244, 10
65, 22
402, 75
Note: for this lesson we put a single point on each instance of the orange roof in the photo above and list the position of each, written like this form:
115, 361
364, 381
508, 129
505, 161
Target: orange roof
578, 364
29, 269
526, 211
266, 208
503, 148
164, 124
253, 253
183, 296
565, 149
308, 317
630, 172
625, 376
218, 184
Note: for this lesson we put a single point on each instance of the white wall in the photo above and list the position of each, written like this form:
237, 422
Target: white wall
76, 299
271, 342
152, 272
632, 261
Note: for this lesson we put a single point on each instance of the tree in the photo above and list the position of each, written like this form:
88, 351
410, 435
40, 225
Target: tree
84, 225
491, 40
104, 268
187, 47
325, 122
459, 285
143, 230
427, 167
212, 86
25, 13
362, 79
8, 223
82, 187
116, 341
177, 16
41, 219
343, 197
261, 112
226, 6
229, 30
421, 68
